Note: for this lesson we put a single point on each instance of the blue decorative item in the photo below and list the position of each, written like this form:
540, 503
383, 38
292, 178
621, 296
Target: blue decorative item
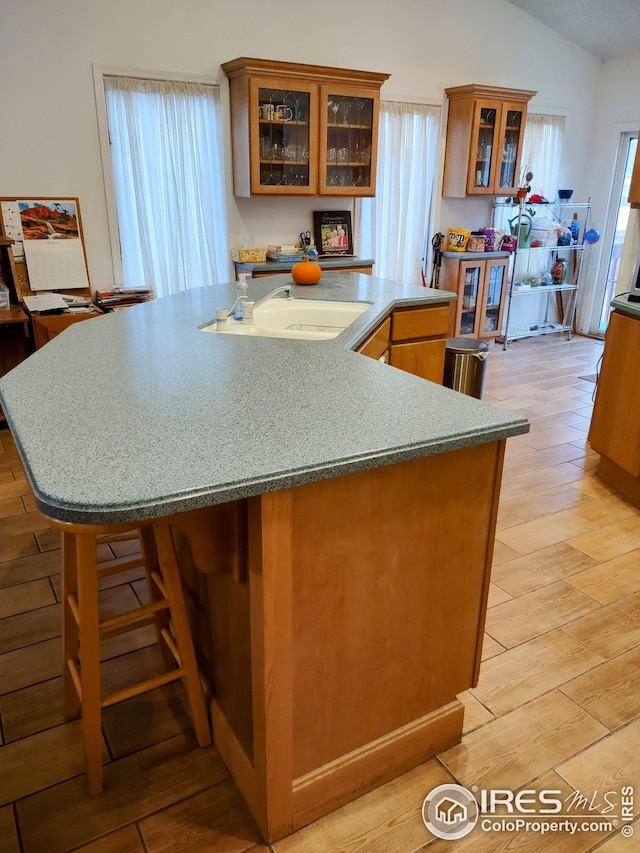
592, 236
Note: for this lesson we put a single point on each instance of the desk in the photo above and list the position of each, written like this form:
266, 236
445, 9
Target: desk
47, 326
13, 339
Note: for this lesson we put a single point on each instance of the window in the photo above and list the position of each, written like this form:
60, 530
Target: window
393, 227
541, 151
166, 158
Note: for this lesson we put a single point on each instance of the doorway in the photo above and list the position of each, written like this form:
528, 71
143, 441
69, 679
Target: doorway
617, 219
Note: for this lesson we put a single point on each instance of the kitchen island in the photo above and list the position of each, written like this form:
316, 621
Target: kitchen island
333, 516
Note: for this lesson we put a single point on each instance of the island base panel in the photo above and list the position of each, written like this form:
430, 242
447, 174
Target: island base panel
328, 788
622, 481
336, 658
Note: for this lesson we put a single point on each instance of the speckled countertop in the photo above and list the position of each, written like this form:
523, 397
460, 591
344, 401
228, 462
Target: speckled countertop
325, 263
621, 303
138, 414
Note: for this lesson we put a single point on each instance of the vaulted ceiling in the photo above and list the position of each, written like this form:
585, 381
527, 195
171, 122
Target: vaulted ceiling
608, 29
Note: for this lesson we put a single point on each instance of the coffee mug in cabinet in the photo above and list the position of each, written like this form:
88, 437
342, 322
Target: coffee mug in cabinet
265, 111
283, 113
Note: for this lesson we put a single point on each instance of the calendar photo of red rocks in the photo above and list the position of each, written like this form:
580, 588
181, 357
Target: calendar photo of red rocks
49, 220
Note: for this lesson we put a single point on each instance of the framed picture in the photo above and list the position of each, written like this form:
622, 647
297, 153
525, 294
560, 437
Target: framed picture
332, 232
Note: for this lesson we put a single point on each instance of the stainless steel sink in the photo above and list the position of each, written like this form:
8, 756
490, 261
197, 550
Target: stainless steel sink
309, 319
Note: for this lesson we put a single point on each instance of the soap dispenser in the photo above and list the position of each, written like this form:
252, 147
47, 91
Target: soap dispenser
241, 290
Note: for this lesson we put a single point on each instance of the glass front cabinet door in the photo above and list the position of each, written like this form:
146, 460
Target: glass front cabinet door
470, 284
302, 129
283, 158
485, 128
493, 297
348, 141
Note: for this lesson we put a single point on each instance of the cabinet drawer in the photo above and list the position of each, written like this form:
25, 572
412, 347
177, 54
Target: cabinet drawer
377, 342
411, 323
422, 358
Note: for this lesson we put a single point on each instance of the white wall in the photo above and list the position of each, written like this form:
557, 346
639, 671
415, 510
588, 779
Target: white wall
50, 140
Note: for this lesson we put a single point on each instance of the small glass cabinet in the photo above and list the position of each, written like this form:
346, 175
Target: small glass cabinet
303, 129
481, 286
484, 140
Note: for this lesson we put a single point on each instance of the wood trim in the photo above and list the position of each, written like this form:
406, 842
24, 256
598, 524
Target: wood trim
477, 90
235, 758
317, 73
353, 775
493, 520
270, 589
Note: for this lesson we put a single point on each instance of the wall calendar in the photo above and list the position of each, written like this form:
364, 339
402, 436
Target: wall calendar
48, 239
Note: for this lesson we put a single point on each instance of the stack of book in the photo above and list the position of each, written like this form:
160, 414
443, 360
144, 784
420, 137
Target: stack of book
122, 297
288, 253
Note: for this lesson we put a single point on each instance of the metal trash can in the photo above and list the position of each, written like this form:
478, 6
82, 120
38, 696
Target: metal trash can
465, 365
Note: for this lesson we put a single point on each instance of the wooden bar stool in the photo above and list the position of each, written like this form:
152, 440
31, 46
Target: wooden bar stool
83, 631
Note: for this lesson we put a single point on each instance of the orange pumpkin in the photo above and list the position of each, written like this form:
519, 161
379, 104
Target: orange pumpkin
306, 272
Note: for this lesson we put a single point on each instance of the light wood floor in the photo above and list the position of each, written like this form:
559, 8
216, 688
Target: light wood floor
557, 704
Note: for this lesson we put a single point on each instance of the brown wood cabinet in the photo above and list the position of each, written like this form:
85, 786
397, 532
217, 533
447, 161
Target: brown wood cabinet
615, 423
418, 340
481, 286
413, 340
303, 129
305, 726
484, 140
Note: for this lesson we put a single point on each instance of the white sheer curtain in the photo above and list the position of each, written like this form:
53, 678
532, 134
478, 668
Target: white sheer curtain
541, 151
167, 160
393, 227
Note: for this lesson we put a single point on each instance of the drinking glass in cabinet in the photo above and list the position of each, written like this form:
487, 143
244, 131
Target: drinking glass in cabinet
349, 140
510, 151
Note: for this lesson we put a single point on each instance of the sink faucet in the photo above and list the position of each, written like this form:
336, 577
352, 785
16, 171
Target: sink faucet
285, 289
226, 313
243, 308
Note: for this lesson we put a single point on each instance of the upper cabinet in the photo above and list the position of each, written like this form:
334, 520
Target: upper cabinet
484, 140
303, 129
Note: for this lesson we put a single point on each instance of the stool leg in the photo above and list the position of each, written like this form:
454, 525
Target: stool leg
90, 660
150, 554
182, 632
69, 626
